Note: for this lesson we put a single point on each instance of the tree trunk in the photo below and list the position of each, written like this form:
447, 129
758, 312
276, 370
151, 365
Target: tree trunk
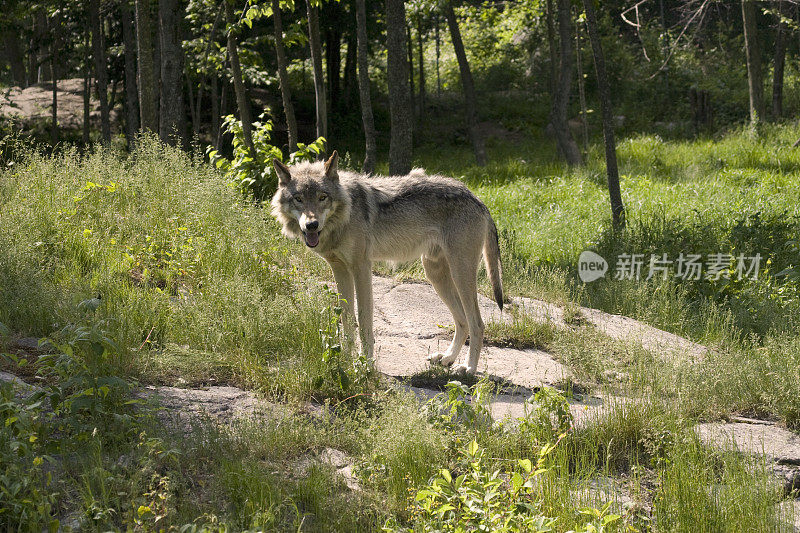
131, 91
363, 88
752, 53
14, 55
617, 209
315, 45
410, 48
172, 120
581, 92
470, 103
350, 85
400, 110
778, 65
215, 111
54, 76
198, 103
333, 56
238, 83
100, 72
563, 88
86, 87
286, 93
421, 61
438, 55
148, 91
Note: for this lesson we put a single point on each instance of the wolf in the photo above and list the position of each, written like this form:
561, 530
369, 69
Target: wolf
353, 219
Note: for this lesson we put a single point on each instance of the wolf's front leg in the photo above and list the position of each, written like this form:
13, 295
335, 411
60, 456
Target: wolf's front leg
344, 286
362, 275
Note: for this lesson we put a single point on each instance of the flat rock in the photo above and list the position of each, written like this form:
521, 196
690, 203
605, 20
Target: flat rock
222, 404
776, 443
22, 389
411, 322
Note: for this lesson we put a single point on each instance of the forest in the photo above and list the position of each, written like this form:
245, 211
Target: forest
169, 361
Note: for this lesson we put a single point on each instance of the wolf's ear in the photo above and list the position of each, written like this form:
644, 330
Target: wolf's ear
332, 166
283, 172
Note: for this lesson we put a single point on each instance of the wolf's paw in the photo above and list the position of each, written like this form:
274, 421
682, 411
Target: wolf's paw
464, 369
440, 359
435, 358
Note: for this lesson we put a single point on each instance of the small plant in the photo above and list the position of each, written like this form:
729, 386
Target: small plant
461, 405
26, 496
342, 376
254, 173
547, 415
483, 499
85, 394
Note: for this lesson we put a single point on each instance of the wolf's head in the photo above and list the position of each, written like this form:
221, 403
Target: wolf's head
309, 200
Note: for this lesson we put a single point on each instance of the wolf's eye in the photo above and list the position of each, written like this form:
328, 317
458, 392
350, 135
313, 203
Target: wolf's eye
298, 199
323, 197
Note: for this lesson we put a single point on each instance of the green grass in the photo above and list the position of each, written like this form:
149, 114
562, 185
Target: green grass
198, 288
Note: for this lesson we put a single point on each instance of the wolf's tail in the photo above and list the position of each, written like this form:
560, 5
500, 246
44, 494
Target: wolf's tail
491, 255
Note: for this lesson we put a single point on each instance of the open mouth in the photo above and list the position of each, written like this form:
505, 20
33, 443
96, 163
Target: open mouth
311, 238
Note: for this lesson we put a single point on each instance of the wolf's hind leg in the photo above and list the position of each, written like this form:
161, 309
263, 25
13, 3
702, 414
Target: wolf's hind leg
465, 277
438, 273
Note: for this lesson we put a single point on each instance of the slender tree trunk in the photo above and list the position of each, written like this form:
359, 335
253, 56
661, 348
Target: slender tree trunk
131, 91
193, 116
198, 103
283, 76
101, 73
215, 111
438, 55
16, 60
315, 45
148, 90
470, 100
54, 76
581, 91
410, 50
617, 209
238, 83
223, 106
363, 88
752, 52
778, 65
421, 61
350, 85
112, 99
400, 111
560, 98
87, 87
172, 120
333, 56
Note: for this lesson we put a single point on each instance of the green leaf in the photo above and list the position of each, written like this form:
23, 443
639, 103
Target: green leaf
473, 448
516, 481
447, 476
526, 465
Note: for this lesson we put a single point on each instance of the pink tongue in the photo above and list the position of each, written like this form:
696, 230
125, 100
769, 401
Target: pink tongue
312, 238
